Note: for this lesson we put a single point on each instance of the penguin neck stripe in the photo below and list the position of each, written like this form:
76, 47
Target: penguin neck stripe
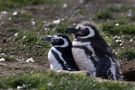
79, 43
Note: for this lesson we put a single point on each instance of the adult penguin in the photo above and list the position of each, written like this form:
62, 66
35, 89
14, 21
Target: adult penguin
60, 55
93, 54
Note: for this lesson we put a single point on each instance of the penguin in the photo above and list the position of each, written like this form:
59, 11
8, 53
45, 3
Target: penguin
92, 53
60, 55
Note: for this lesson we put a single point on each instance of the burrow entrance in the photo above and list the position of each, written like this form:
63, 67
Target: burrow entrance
128, 70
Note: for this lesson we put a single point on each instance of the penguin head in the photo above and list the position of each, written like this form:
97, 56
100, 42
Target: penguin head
59, 40
83, 31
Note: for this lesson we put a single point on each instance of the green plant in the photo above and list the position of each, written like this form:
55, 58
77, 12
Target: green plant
9, 4
109, 39
118, 7
30, 39
55, 81
127, 54
117, 28
22, 17
103, 14
8, 58
60, 28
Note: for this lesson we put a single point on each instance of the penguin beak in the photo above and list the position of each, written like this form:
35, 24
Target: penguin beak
48, 39
72, 30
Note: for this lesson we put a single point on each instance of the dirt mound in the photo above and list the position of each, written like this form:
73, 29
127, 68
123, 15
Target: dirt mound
128, 70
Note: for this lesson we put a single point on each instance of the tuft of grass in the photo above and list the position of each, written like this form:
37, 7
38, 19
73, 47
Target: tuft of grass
103, 14
121, 12
9, 4
109, 39
8, 57
118, 8
30, 39
117, 28
30, 43
54, 81
60, 28
22, 17
132, 17
127, 54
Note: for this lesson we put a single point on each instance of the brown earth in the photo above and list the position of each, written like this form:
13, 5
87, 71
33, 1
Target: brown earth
128, 70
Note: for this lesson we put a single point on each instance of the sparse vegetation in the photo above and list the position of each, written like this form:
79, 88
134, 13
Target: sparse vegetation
118, 8
103, 14
51, 80
10, 4
30, 43
21, 16
117, 28
8, 57
29, 39
109, 39
61, 28
127, 54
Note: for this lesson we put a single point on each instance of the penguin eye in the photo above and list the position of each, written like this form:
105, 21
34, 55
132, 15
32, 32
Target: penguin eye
84, 32
86, 28
80, 30
57, 39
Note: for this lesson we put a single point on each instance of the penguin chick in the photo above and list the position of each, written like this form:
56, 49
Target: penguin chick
93, 54
60, 55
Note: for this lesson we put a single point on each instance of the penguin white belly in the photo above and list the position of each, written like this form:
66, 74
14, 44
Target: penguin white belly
83, 61
54, 64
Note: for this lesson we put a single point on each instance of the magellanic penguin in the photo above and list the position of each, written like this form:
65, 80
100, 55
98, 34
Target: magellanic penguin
60, 55
93, 54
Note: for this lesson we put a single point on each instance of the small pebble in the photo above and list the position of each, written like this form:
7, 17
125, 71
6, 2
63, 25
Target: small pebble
2, 60
117, 24
19, 87
130, 14
49, 84
9, 18
121, 44
16, 34
30, 60
82, 1
33, 22
3, 55
115, 37
65, 5
4, 12
24, 37
118, 41
15, 13
131, 40
56, 21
